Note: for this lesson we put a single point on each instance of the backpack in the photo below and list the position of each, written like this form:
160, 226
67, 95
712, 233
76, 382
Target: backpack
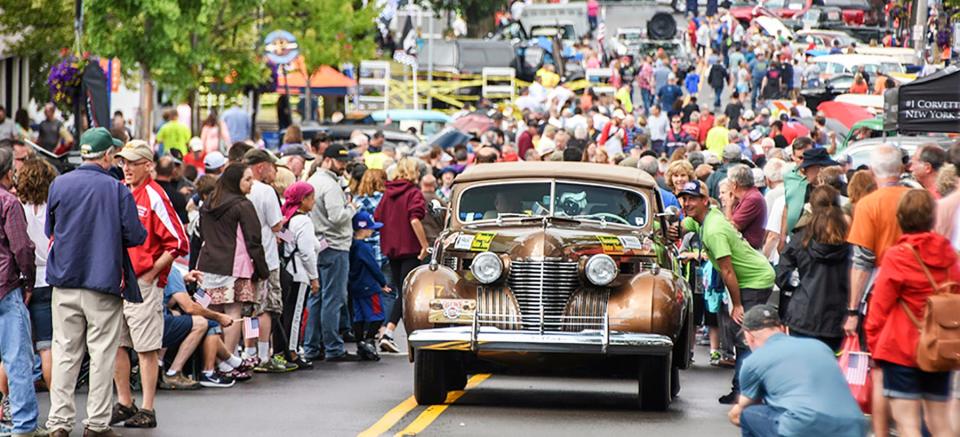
939, 347
284, 258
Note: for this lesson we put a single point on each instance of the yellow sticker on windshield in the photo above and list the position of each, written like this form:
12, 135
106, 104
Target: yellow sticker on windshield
481, 241
610, 244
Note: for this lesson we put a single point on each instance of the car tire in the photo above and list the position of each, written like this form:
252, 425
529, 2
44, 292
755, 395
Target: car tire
455, 375
662, 26
655, 386
429, 377
674, 381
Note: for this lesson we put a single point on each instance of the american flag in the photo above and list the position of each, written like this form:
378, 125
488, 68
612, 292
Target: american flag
202, 298
857, 366
251, 327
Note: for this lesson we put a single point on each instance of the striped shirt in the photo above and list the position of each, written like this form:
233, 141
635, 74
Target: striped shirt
165, 233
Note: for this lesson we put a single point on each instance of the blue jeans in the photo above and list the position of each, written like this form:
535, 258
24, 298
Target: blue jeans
717, 92
647, 97
16, 352
760, 421
326, 308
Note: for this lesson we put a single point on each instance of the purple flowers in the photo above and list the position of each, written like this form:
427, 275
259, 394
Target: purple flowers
65, 78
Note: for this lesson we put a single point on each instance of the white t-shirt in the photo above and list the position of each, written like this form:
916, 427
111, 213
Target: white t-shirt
36, 219
267, 204
774, 219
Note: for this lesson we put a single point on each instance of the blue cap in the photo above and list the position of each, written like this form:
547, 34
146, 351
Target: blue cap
363, 220
693, 188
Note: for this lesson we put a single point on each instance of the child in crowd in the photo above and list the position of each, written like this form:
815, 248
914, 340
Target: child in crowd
299, 273
366, 283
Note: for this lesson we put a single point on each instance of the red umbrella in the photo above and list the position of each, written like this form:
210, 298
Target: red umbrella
473, 123
846, 113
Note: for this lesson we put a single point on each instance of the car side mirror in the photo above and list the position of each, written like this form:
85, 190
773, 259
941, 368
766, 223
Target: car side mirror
671, 213
437, 209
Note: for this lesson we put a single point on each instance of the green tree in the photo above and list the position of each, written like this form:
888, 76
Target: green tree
477, 13
38, 30
328, 32
176, 44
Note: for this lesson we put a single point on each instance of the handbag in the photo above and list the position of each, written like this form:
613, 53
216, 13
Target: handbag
938, 349
855, 366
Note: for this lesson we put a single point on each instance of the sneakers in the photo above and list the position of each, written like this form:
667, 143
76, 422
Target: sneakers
729, 398
121, 413
388, 345
247, 364
367, 351
715, 358
345, 358
6, 417
178, 382
277, 364
302, 363
143, 419
216, 380
727, 363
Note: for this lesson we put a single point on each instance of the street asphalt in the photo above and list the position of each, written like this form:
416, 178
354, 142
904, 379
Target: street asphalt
347, 399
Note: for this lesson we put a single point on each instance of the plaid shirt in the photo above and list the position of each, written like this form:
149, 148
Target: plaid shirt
17, 262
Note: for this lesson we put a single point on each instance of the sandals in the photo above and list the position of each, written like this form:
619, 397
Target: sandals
121, 413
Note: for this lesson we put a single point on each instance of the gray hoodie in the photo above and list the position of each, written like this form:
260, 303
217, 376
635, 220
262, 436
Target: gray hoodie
332, 215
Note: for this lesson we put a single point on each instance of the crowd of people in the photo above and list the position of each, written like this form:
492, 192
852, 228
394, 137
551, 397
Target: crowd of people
182, 261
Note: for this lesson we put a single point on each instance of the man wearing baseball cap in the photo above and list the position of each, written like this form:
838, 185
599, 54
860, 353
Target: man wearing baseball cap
773, 401
295, 157
92, 220
744, 271
214, 163
142, 329
332, 217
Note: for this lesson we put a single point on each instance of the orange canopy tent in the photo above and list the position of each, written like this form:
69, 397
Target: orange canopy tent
325, 81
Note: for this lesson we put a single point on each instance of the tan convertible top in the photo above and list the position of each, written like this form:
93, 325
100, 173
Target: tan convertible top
575, 170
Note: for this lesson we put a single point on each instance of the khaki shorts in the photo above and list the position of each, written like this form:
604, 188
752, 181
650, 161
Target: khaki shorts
269, 295
142, 329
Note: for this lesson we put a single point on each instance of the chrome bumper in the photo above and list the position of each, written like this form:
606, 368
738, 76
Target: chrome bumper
466, 338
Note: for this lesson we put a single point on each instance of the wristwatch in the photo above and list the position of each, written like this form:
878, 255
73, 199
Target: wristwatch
853, 312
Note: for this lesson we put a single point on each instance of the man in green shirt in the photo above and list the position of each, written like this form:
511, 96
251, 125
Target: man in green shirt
174, 135
746, 273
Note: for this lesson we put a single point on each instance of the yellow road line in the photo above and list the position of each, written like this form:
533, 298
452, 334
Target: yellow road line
431, 413
391, 418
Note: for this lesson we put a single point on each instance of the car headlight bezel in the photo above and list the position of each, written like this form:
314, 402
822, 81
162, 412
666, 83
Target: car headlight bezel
604, 277
484, 260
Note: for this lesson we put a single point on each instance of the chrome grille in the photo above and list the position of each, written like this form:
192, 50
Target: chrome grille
496, 307
452, 262
587, 310
542, 290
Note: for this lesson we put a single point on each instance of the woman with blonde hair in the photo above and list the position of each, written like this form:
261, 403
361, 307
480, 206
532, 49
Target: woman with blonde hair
678, 174
402, 238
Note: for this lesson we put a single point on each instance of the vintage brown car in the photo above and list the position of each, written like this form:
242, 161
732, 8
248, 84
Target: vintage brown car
551, 268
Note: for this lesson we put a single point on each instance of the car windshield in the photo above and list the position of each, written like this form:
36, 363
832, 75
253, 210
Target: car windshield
569, 200
631, 36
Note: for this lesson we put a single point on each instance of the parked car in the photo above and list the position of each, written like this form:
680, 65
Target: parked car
823, 38
425, 122
817, 17
832, 65
551, 268
858, 153
855, 12
342, 132
467, 56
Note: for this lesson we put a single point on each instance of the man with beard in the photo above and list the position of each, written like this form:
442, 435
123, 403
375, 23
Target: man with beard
332, 218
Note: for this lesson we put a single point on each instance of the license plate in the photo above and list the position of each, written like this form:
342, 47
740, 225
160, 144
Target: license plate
459, 311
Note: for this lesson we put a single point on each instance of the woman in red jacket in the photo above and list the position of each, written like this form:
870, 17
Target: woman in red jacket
891, 335
402, 238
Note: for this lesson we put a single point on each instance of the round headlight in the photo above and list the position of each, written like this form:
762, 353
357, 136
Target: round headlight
601, 270
486, 267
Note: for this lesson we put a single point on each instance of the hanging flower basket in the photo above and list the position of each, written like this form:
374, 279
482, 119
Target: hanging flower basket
65, 78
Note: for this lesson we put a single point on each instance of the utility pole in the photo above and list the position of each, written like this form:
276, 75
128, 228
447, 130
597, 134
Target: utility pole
77, 104
920, 29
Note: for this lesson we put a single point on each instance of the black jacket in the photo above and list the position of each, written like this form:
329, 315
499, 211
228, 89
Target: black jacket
819, 302
219, 225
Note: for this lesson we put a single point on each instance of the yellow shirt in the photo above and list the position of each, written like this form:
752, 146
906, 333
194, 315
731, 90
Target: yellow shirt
547, 78
717, 138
